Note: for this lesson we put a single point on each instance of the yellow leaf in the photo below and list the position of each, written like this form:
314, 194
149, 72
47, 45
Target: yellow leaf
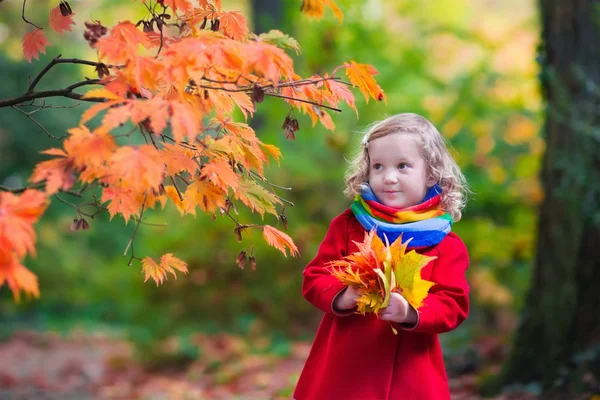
170, 263
256, 197
101, 94
279, 240
361, 75
152, 270
408, 277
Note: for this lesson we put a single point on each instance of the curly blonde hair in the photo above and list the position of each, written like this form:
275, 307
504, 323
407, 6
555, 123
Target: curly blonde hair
440, 164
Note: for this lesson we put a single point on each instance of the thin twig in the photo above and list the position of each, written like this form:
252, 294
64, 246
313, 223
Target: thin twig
28, 115
48, 93
23, 16
177, 189
130, 244
302, 101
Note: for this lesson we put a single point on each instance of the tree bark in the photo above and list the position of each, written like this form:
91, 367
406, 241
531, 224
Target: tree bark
559, 331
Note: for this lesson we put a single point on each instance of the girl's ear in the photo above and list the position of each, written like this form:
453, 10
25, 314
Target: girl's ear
431, 181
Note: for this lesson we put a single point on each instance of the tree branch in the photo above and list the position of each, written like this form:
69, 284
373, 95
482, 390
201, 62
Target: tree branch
53, 93
59, 60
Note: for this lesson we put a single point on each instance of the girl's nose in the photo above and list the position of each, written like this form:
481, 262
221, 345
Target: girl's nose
390, 177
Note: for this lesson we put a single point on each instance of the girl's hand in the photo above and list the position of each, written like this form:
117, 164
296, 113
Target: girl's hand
398, 310
346, 300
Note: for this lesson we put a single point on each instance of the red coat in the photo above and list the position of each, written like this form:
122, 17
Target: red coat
359, 357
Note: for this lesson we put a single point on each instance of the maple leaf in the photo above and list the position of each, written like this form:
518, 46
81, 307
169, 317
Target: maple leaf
205, 194
58, 173
316, 8
178, 5
220, 173
379, 269
256, 197
16, 276
361, 75
280, 40
90, 149
18, 213
184, 121
122, 200
341, 91
34, 42
58, 22
178, 159
158, 272
139, 166
281, 241
234, 25
102, 93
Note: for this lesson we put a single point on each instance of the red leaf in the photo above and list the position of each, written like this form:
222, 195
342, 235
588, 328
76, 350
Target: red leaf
34, 42
58, 22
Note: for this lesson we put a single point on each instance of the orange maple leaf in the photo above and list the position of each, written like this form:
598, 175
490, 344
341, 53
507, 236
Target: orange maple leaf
140, 167
58, 22
122, 200
233, 24
205, 194
17, 276
281, 241
34, 42
221, 174
341, 91
158, 272
316, 8
90, 150
361, 75
178, 159
18, 213
59, 173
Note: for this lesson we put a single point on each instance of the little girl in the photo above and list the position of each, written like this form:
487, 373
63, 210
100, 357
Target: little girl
404, 182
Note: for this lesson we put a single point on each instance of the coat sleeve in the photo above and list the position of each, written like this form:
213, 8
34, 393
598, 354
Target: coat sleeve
447, 304
319, 287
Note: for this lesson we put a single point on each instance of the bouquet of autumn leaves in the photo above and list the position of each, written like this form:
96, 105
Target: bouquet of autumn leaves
377, 270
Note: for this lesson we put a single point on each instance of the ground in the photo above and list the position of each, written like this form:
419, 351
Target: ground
84, 366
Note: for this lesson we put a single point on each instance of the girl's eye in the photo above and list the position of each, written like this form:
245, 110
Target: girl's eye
377, 167
402, 165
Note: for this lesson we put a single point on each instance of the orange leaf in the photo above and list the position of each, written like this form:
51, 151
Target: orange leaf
184, 121
34, 42
18, 213
58, 173
341, 91
152, 270
18, 278
170, 263
361, 75
178, 159
205, 194
179, 5
89, 149
140, 167
234, 25
122, 200
281, 241
316, 8
58, 22
221, 174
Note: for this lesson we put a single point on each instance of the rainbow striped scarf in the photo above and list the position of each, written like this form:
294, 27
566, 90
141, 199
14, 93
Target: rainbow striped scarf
425, 224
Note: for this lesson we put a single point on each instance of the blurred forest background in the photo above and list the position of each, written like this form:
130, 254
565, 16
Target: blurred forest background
470, 67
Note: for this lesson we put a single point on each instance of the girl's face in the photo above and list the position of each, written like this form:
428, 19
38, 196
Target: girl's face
397, 171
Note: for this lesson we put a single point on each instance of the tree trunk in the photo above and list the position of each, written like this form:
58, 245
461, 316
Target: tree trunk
559, 333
